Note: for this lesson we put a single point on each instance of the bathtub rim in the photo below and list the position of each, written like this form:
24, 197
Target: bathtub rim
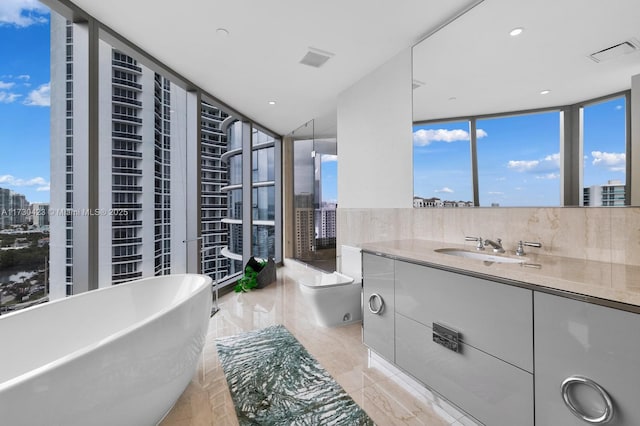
8, 384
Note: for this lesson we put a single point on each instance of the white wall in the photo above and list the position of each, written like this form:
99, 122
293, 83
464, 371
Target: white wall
375, 138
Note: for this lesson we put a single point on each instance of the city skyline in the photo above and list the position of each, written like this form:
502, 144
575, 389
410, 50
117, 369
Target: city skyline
24, 99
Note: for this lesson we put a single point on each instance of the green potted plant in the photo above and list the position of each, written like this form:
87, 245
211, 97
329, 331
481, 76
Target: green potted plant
249, 280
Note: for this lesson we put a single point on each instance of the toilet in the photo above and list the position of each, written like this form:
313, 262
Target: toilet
336, 298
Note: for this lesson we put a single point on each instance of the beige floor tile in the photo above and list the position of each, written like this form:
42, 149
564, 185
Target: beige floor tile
207, 400
403, 407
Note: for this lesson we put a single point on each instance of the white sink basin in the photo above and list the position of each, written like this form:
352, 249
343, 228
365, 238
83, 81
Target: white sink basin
485, 257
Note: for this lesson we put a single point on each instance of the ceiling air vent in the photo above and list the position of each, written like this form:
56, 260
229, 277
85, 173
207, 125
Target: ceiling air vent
316, 57
619, 49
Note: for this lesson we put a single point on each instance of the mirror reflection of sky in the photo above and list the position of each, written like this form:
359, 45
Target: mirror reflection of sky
329, 175
518, 156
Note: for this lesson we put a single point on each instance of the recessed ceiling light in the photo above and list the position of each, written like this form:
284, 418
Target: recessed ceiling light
453, 98
516, 31
545, 92
272, 102
222, 32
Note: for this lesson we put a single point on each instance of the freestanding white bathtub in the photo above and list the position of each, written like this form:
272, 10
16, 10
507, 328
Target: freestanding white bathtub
116, 356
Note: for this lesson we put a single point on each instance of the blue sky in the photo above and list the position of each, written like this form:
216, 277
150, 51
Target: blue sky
24, 98
329, 181
518, 156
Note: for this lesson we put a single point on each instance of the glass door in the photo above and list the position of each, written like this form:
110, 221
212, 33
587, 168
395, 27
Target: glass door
315, 198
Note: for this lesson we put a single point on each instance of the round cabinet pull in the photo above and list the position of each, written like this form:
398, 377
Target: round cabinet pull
372, 298
608, 408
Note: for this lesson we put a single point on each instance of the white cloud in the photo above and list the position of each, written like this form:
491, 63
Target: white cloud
522, 165
495, 193
39, 97
549, 164
327, 158
7, 97
549, 176
613, 161
5, 85
10, 180
22, 13
44, 188
618, 107
424, 137
25, 77
445, 189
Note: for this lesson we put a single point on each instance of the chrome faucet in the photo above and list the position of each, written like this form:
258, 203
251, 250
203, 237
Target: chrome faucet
521, 244
479, 246
497, 245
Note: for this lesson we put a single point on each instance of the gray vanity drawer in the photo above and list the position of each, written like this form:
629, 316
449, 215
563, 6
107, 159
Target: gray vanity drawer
493, 317
601, 344
378, 329
493, 391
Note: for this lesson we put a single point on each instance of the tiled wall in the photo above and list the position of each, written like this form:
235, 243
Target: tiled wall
602, 234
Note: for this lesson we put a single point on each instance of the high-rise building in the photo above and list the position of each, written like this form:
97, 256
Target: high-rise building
214, 177
145, 182
40, 214
142, 191
234, 192
305, 232
13, 208
326, 226
611, 194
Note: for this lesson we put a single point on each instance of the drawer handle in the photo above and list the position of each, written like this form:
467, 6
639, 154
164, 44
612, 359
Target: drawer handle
446, 336
606, 416
372, 299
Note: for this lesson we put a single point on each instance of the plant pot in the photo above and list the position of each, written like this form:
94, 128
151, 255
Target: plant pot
266, 273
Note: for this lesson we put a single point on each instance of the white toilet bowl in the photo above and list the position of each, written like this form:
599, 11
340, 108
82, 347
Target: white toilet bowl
336, 298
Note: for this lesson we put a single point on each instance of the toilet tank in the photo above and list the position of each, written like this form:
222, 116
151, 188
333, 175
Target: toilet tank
351, 262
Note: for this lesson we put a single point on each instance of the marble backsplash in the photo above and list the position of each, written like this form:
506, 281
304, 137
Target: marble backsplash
602, 234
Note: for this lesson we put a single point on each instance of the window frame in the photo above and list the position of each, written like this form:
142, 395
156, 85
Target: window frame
571, 145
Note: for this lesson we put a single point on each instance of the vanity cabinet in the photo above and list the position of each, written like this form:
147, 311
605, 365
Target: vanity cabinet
597, 350
505, 354
492, 317
485, 366
378, 319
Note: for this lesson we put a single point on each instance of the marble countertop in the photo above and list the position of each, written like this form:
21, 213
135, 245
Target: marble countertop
606, 282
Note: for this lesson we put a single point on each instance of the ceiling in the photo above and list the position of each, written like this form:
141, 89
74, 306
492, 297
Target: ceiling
258, 61
474, 67
472, 59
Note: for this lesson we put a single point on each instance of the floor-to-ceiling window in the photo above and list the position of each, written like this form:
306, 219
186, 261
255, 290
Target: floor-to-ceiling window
214, 176
234, 191
314, 196
264, 195
252, 193
148, 172
25, 87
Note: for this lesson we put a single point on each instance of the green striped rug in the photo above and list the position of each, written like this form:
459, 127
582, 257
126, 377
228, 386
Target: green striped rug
275, 381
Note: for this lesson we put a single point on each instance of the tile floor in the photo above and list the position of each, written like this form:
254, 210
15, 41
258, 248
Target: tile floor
379, 389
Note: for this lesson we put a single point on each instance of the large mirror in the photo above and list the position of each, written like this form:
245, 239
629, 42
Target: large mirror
527, 103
